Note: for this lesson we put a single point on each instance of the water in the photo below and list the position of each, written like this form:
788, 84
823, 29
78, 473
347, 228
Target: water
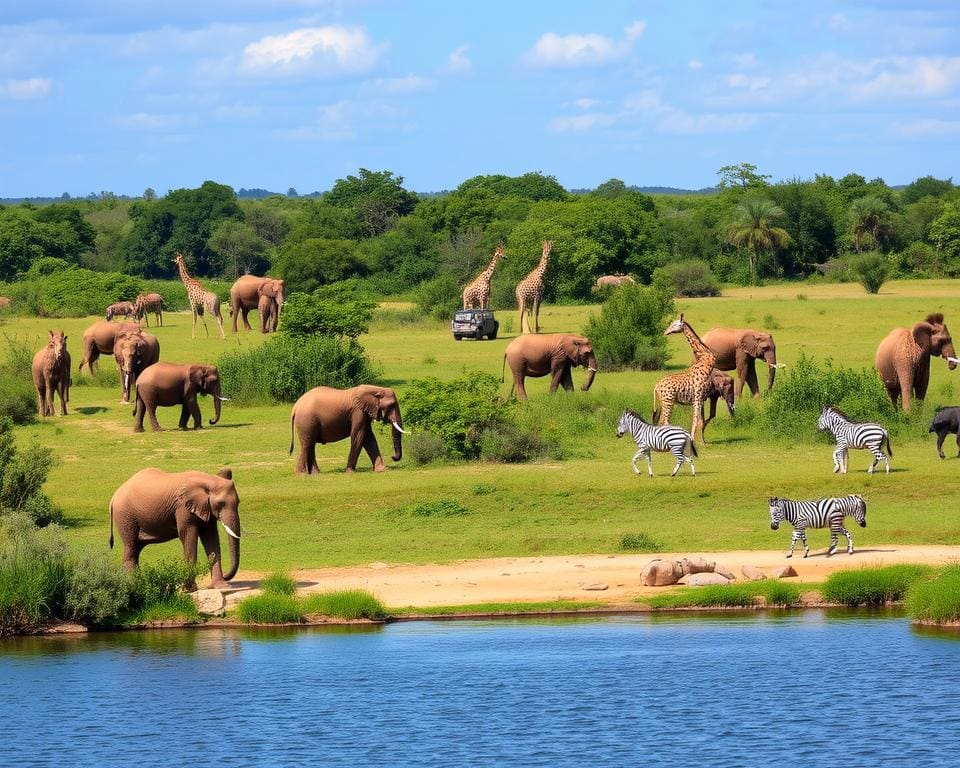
802, 689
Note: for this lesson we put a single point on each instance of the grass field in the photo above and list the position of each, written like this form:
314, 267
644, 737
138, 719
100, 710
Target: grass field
583, 504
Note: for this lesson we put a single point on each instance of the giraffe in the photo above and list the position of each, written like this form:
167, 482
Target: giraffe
479, 290
689, 386
200, 300
531, 289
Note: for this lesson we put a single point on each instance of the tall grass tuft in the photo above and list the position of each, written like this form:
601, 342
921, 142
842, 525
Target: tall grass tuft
872, 586
270, 608
33, 575
18, 400
639, 542
936, 599
344, 604
279, 583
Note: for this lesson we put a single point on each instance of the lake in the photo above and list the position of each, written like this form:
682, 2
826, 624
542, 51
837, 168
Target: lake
733, 689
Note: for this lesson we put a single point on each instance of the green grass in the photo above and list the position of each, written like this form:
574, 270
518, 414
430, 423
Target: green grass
179, 607
279, 583
639, 542
746, 595
343, 604
872, 586
581, 504
936, 598
494, 609
270, 608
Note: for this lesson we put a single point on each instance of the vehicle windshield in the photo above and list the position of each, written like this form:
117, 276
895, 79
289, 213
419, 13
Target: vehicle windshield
463, 317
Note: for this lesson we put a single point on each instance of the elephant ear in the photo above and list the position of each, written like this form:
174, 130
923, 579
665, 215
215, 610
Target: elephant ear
226, 473
921, 334
195, 374
369, 402
197, 502
268, 290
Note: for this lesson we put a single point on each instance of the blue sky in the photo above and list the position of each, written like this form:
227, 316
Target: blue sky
122, 95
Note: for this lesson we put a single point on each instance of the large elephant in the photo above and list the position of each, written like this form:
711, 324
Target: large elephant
903, 358
737, 349
166, 384
99, 339
134, 351
553, 353
245, 295
155, 506
326, 415
267, 309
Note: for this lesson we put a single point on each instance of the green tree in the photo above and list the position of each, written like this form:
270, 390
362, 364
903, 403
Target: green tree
926, 186
753, 229
532, 186
808, 220
741, 176
308, 264
870, 224
945, 231
611, 188
241, 250
377, 197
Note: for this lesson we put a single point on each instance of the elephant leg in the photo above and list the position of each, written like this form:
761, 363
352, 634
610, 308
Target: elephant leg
958, 443
246, 322
234, 311
188, 538
566, 380
211, 545
906, 384
357, 439
752, 378
373, 450
518, 383
893, 390
184, 416
64, 394
556, 379
151, 409
307, 458
195, 413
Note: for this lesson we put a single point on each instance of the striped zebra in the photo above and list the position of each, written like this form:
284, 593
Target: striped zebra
651, 437
849, 434
823, 513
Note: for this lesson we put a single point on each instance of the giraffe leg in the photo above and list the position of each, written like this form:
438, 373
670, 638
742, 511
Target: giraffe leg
536, 315
193, 330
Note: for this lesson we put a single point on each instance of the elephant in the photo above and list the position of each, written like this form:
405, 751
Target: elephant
737, 349
165, 384
245, 295
326, 415
154, 506
125, 308
946, 421
134, 351
267, 310
51, 373
99, 339
553, 353
903, 358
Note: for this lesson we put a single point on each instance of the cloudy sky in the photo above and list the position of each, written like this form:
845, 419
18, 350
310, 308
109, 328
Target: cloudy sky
122, 95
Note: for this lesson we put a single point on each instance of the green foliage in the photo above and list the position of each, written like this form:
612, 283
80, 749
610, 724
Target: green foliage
348, 604
18, 399
926, 186
22, 475
434, 508
377, 197
239, 248
871, 270
639, 542
691, 278
872, 586
457, 411
629, 331
285, 367
54, 288
160, 582
33, 575
936, 598
307, 315
307, 264
279, 583
440, 297
425, 447
27, 235
746, 595
270, 608
98, 589
531, 186
177, 608
509, 443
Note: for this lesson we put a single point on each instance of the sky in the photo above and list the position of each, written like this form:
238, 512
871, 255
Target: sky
125, 95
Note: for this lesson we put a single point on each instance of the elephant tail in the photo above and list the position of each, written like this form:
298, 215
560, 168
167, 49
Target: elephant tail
886, 439
693, 447
111, 523
503, 368
293, 415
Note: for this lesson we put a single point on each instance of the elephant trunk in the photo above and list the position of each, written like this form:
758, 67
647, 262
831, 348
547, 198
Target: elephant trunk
397, 425
591, 371
233, 542
949, 354
215, 391
771, 360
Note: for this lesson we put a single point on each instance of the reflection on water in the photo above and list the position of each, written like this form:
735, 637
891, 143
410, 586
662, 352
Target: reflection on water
732, 689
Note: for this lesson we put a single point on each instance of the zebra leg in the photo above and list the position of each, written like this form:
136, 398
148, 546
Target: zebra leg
649, 462
680, 459
844, 456
876, 460
793, 542
803, 539
637, 455
846, 533
833, 542
836, 460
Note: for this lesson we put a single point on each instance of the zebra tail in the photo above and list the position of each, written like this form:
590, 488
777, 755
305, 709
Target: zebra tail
889, 448
656, 416
693, 447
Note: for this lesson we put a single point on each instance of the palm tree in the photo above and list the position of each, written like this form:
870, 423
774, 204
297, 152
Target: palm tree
869, 214
752, 229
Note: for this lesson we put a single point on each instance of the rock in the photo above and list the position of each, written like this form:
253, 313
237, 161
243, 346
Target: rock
697, 566
784, 573
209, 601
598, 587
661, 573
725, 573
703, 579
752, 574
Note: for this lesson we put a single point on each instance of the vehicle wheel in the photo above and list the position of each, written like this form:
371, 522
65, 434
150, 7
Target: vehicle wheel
478, 334
496, 327
457, 336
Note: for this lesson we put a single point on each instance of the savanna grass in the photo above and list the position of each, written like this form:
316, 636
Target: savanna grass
872, 586
343, 604
747, 595
270, 608
936, 598
493, 609
279, 583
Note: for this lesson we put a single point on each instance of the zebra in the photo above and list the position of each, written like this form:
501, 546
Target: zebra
823, 513
651, 437
852, 435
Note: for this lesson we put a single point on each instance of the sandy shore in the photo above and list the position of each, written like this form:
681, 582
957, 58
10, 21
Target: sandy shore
608, 578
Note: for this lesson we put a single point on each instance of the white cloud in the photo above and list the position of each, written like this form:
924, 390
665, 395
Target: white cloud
553, 50
150, 123
694, 64
25, 90
580, 123
319, 50
748, 83
458, 62
400, 85
929, 126
909, 76
745, 60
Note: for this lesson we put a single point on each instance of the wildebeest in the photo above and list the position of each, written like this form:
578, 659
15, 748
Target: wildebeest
946, 421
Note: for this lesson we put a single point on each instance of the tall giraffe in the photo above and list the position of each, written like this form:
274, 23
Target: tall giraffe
689, 386
479, 290
200, 300
531, 289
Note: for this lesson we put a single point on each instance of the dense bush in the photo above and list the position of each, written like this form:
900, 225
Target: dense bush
54, 288
98, 590
285, 367
629, 331
33, 575
327, 314
690, 278
639, 542
279, 583
871, 270
872, 586
936, 599
22, 475
440, 297
270, 608
18, 398
348, 604
511, 444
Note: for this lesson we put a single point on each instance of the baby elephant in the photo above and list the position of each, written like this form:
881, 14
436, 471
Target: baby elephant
946, 421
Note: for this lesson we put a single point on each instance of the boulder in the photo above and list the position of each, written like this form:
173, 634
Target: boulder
697, 566
784, 573
703, 579
661, 573
596, 587
210, 602
724, 572
752, 574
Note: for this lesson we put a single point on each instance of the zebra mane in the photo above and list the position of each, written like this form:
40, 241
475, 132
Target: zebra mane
840, 413
635, 415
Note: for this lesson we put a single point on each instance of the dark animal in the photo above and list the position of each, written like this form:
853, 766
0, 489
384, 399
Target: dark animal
946, 421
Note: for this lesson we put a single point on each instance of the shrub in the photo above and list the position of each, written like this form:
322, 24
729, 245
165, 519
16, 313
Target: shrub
937, 598
161, 582
773, 592
54, 288
18, 399
279, 583
326, 314
872, 586
440, 297
871, 270
425, 447
690, 278
270, 608
33, 574
344, 604
22, 475
283, 368
456, 411
629, 331
98, 590
509, 444
639, 542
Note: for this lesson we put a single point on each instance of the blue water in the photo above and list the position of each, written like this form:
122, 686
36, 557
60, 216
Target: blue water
802, 689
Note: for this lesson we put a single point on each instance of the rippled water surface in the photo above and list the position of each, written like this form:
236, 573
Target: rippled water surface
801, 689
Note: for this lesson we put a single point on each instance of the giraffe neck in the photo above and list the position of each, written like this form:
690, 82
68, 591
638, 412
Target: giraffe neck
700, 350
488, 272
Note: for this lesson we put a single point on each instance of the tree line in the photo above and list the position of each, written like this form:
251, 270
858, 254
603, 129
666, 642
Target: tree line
369, 228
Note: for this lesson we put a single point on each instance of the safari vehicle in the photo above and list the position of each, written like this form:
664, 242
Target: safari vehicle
474, 324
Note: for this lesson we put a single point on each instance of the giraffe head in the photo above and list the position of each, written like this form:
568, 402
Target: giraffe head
498, 253
547, 245
675, 327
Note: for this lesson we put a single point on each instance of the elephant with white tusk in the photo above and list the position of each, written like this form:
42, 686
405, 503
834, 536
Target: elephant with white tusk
166, 384
155, 506
246, 294
737, 349
549, 353
134, 350
903, 358
326, 415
